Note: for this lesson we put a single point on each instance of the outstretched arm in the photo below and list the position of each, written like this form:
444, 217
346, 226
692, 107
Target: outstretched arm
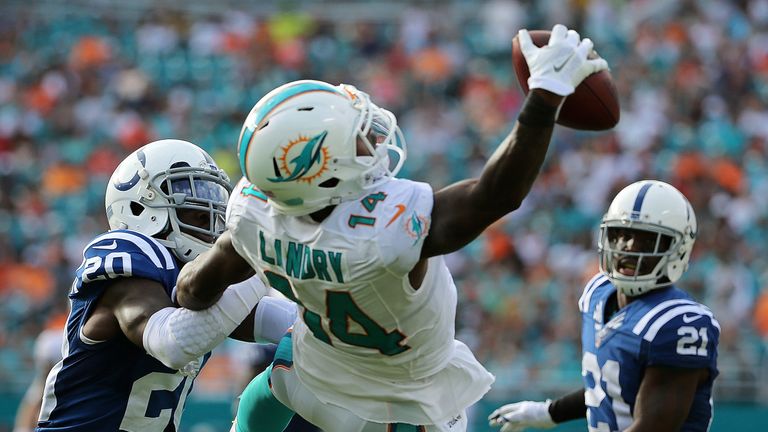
142, 311
463, 210
202, 281
540, 415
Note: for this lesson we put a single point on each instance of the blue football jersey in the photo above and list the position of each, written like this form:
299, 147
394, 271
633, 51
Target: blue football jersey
113, 385
664, 327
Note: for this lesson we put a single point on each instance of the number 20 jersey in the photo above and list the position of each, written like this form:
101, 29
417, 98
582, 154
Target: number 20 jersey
664, 327
366, 341
113, 385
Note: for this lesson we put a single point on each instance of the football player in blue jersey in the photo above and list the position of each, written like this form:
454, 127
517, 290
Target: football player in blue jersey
649, 350
130, 353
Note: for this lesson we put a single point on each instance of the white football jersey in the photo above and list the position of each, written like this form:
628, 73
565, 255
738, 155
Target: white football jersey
48, 346
367, 341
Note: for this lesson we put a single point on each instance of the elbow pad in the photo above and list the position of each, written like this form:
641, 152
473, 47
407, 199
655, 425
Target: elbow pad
273, 317
177, 336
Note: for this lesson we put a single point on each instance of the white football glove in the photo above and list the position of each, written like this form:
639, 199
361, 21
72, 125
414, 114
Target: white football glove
192, 368
518, 416
562, 64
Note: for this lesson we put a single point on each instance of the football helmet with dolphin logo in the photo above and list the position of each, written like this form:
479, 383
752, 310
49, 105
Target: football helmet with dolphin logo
309, 144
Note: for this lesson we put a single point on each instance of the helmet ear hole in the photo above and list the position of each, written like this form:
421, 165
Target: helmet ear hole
330, 183
136, 208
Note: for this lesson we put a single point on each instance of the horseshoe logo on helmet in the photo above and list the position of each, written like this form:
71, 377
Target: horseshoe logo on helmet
124, 186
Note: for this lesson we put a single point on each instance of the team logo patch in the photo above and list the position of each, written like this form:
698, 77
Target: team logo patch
416, 226
303, 159
613, 324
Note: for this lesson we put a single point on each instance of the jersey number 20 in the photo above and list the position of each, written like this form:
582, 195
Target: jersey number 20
95, 268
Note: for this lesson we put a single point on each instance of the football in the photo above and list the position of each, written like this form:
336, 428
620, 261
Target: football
595, 103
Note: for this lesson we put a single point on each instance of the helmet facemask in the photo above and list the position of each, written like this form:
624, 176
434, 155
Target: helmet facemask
380, 143
196, 199
637, 256
170, 190
646, 237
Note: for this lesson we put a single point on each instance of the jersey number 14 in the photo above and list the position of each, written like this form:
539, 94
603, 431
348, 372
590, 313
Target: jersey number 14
342, 309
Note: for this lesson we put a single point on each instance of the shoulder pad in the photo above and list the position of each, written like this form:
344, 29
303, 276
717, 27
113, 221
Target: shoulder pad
123, 253
683, 335
597, 281
403, 223
670, 315
245, 196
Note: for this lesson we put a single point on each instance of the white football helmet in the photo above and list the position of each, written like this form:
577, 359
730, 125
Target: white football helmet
654, 207
309, 144
173, 191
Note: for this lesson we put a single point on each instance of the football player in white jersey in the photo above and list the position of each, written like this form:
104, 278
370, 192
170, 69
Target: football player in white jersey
322, 218
46, 354
130, 353
649, 350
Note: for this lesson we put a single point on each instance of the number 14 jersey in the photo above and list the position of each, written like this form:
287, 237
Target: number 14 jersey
366, 341
664, 327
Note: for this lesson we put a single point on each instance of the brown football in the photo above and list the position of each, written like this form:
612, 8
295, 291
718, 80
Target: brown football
595, 103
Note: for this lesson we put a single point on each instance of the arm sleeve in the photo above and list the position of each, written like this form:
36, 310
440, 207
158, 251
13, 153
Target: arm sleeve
568, 407
273, 317
177, 336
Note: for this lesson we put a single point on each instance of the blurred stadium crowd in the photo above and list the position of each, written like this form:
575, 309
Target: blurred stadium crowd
81, 87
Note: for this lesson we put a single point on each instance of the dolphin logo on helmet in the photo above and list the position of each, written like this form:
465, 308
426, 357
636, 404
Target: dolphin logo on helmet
311, 155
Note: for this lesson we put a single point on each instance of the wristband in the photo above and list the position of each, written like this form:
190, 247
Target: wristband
537, 113
568, 407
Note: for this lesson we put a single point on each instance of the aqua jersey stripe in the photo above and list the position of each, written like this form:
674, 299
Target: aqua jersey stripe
284, 353
269, 106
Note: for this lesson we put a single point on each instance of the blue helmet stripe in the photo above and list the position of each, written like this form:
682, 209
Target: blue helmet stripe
639, 201
270, 105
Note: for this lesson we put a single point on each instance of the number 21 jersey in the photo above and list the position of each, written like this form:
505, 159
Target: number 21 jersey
664, 328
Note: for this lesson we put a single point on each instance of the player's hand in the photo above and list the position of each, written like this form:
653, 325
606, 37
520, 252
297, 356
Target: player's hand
562, 64
518, 416
191, 369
